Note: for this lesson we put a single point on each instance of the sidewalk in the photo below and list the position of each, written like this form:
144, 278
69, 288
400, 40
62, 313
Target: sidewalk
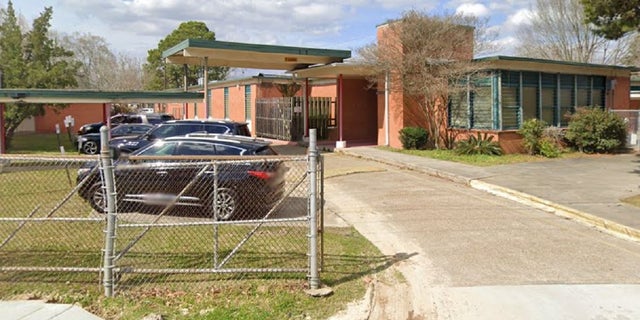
584, 189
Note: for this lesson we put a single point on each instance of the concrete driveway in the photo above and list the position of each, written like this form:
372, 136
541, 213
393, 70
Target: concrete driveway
473, 255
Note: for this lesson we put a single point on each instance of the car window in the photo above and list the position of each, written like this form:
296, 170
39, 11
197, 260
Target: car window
134, 119
160, 149
224, 150
243, 130
266, 151
120, 130
196, 149
139, 129
216, 128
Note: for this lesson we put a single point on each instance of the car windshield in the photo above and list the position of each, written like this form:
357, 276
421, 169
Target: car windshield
171, 130
160, 148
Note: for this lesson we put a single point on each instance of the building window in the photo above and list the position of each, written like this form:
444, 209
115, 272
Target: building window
226, 102
247, 102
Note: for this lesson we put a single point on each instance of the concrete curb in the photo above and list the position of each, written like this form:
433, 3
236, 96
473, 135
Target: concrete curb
602, 224
605, 225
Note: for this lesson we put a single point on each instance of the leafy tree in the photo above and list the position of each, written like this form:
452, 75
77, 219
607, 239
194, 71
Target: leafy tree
428, 59
161, 73
613, 18
31, 60
558, 31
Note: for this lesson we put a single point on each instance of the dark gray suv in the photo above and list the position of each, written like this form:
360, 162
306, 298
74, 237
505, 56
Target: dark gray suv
178, 128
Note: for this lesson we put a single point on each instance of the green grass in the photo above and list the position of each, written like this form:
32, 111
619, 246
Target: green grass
348, 259
40, 143
478, 160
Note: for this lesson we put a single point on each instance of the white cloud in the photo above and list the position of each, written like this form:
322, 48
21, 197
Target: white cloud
520, 17
473, 9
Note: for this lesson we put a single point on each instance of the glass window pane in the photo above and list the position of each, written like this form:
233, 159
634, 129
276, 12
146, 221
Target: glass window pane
482, 107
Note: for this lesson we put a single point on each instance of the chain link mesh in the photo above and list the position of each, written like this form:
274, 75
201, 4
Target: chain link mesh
632, 119
47, 233
178, 220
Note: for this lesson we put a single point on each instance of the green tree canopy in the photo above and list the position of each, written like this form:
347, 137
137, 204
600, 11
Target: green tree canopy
159, 72
31, 59
613, 18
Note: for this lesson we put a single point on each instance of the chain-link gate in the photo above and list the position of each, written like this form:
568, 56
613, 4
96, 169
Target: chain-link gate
144, 222
632, 119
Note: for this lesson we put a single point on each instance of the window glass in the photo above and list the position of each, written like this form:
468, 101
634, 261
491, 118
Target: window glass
160, 149
266, 151
482, 108
196, 149
219, 129
458, 110
225, 150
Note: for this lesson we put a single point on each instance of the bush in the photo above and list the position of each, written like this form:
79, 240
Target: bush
596, 130
480, 144
549, 148
532, 131
413, 138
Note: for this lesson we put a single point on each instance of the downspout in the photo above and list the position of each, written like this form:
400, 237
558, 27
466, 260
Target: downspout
206, 87
386, 108
340, 143
305, 107
3, 142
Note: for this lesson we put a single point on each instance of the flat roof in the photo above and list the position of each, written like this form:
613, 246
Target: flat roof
95, 96
247, 55
555, 66
333, 70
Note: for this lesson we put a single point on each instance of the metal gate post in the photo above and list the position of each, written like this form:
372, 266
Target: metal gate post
314, 279
109, 238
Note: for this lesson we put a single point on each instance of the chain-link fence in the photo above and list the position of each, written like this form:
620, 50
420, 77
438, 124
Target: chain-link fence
47, 233
141, 222
632, 119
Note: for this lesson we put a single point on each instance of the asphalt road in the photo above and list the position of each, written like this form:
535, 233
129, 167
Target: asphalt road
472, 255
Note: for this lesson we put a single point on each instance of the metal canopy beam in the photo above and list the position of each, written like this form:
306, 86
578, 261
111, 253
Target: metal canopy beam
49, 96
255, 56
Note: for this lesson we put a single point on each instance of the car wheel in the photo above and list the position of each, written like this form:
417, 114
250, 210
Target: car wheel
90, 147
97, 198
225, 204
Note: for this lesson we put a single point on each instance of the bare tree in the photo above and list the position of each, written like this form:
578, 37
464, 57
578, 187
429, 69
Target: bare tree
101, 68
558, 31
428, 59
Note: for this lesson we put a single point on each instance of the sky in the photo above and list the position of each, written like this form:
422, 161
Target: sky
135, 26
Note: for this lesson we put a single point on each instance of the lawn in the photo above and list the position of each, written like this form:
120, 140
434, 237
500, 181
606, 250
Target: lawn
41, 143
479, 160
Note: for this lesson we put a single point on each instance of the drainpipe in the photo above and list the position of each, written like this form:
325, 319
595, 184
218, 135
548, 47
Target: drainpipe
305, 107
341, 143
386, 108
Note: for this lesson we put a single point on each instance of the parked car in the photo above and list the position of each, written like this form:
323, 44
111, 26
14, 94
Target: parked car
244, 188
118, 119
179, 128
90, 143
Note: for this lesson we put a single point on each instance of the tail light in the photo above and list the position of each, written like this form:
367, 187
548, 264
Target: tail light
263, 175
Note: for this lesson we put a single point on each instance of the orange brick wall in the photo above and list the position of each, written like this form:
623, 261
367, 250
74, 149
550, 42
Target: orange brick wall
82, 113
619, 97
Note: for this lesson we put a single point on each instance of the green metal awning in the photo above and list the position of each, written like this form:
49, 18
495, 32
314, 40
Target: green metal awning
93, 96
254, 56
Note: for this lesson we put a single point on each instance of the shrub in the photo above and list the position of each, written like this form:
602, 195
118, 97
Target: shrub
480, 144
413, 138
549, 148
532, 131
596, 130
